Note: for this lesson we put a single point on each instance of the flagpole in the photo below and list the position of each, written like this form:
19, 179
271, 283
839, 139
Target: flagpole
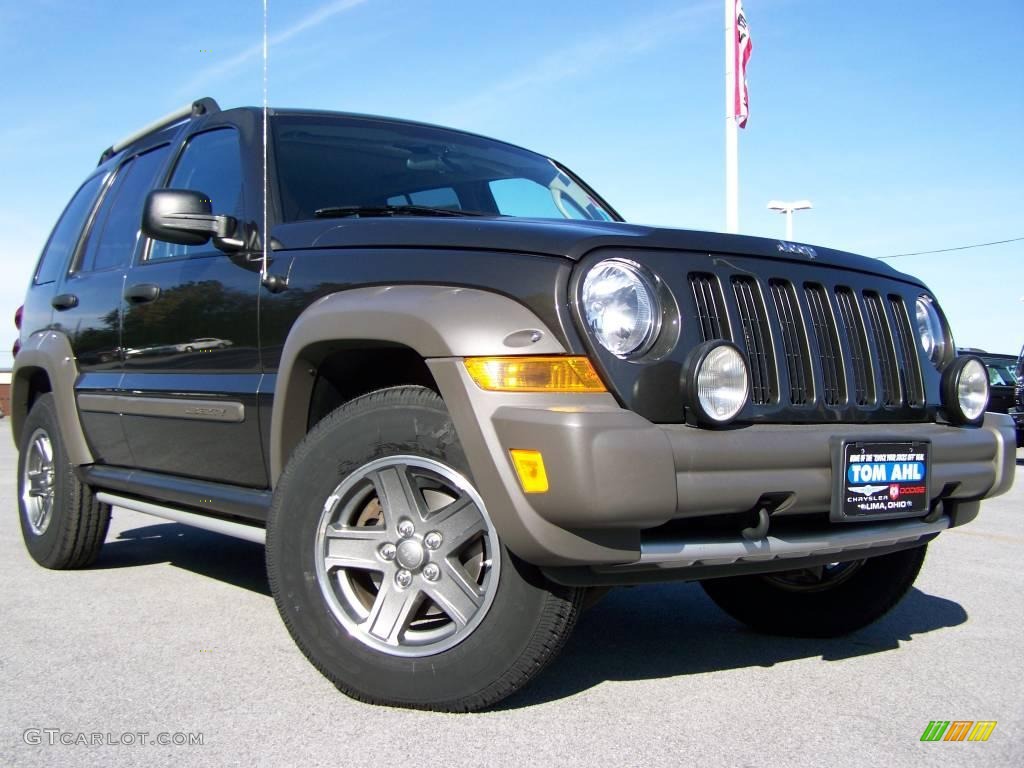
732, 161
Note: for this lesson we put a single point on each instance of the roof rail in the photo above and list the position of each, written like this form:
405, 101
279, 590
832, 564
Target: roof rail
199, 107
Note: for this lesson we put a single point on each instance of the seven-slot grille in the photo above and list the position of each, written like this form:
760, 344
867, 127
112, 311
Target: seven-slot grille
860, 342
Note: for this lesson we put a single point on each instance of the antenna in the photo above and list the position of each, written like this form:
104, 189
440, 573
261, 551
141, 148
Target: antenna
266, 217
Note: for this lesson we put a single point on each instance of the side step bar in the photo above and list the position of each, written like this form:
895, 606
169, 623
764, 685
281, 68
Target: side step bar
699, 559
228, 527
836, 541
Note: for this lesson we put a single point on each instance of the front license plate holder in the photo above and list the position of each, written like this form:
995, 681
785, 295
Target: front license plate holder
880, 479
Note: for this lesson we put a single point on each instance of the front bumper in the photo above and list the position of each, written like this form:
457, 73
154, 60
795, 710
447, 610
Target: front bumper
616, 477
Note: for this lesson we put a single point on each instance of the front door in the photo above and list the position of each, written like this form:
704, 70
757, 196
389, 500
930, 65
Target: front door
190, 337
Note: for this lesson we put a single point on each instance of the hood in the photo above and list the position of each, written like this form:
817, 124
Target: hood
549, 237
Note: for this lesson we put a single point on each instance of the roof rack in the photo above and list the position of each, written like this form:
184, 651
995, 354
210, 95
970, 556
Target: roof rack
199, 107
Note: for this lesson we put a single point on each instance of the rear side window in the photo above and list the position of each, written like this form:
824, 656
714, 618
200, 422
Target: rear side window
116, 231
212, 164
69, 228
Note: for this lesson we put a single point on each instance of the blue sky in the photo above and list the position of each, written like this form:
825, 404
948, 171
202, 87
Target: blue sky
900, 121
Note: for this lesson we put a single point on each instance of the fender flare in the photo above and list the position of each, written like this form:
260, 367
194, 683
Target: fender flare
51, 353
434, 321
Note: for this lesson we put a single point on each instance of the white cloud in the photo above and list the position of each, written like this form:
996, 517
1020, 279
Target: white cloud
239, 60
577, 60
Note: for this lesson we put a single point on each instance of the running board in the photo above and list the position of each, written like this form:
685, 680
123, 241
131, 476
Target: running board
228, 527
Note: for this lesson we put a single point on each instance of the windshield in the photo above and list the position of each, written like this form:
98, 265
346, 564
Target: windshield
327, 162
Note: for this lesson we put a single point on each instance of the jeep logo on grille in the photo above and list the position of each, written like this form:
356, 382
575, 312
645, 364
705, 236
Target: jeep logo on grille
803, 250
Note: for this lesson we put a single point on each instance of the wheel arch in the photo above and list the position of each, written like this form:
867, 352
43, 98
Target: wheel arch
413, 323
46, 363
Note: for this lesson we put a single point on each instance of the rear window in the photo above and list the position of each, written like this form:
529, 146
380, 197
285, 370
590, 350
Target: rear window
68, 231
114, 236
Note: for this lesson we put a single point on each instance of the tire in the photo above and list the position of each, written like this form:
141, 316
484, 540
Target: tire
824, 602
466, 625
61, 522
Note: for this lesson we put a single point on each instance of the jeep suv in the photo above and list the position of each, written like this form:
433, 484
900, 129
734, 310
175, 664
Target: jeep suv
452, 391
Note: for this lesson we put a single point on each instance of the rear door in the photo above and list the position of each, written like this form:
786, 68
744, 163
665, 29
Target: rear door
192, 368
87, 300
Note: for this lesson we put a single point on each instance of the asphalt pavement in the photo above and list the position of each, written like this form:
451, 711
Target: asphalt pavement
173, 636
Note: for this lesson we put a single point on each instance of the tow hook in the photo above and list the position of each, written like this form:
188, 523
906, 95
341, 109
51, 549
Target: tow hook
766, 506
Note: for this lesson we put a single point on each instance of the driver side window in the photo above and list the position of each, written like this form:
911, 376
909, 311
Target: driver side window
210, 163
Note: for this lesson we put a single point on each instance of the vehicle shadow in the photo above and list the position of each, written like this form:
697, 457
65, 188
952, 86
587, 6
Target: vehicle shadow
670, 630
649, 632
233, 561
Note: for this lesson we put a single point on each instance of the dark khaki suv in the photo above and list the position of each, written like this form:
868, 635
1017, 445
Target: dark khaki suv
454, 393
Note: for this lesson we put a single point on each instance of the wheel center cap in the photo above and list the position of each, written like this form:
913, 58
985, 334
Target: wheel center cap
410, 554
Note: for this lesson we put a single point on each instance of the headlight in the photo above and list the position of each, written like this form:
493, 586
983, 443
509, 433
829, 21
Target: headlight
620, 307
930, 330
965, 390
716, 381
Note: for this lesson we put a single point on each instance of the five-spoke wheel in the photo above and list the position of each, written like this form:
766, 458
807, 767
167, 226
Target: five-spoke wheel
38, 482
389, 572
822, 601
406, 555
61, 522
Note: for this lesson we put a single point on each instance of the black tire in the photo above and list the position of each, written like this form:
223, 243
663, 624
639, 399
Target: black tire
525, 625
72, 533
794, 603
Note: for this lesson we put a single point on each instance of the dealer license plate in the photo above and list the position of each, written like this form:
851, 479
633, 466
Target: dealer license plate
882, 479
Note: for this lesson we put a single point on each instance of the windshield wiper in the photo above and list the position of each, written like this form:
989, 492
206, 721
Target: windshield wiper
342, 211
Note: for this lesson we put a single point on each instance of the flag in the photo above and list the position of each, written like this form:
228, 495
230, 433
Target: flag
743, 47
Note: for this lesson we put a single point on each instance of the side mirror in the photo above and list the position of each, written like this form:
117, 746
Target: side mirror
184, 217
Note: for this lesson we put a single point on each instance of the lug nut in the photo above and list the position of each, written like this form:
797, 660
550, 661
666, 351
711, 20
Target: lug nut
431, 571
388, 551
406, 529
432, 540
403, 579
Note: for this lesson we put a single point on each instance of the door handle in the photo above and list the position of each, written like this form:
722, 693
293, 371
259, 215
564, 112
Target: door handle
64, 301
142, 292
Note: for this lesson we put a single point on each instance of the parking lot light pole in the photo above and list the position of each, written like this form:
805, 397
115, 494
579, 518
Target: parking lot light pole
788, 208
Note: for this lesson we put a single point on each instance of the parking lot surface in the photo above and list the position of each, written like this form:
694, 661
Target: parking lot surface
173, 636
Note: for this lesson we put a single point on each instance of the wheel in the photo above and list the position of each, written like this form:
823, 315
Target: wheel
188, 349
61, 522
827, 601
388, 571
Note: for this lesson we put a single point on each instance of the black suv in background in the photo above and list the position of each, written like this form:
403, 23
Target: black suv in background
453, 392
1017, 409
1002, 378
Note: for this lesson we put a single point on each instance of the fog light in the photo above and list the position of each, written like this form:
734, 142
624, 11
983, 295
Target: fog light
965, 390
716, 382
530, 468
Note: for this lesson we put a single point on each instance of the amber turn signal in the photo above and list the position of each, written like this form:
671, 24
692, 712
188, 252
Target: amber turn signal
534, 374
530, 468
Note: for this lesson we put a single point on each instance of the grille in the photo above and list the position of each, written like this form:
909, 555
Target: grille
878, 326
860, 357
707, 297
909, 361
829, 354
815, 343
794, 342
758, 340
